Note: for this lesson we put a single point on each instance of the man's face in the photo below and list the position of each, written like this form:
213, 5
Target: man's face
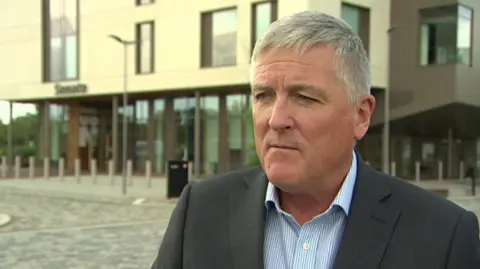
304, 124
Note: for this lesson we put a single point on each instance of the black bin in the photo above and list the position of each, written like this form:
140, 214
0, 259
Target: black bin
178, 176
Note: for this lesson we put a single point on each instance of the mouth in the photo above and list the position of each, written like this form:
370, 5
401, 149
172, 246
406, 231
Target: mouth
286, 147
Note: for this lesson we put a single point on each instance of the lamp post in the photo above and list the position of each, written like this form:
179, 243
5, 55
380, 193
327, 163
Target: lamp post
126, 44
386, 114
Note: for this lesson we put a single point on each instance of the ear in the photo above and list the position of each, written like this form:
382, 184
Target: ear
364, 110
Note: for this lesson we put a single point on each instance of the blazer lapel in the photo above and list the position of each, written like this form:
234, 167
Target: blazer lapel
370, 222
247, 221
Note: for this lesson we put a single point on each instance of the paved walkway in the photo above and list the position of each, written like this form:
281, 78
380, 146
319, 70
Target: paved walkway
102, 189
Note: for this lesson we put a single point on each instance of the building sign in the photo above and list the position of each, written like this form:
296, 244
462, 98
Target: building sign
70, 89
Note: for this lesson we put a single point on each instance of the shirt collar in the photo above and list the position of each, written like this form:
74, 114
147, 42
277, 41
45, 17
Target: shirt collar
342, 200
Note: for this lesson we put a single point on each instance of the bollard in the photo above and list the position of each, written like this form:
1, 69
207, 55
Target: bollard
17, 167
393, 169
4, 167
129, 172
46, 168
31, 167
93, 170
148, 173
110, 172
461, 171
61, 169
440, 171
77, 170
417, 171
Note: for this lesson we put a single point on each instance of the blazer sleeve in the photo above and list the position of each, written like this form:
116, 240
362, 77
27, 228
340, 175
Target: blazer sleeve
171, 249
465, 248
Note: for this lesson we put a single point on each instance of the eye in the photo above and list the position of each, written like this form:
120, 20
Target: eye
262, 95
304, 98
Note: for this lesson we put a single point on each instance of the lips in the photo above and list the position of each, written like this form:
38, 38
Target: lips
281, 146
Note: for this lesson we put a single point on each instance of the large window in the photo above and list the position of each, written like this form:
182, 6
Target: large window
359, 19
446, 35
145, 35
60, 40
263, 14
219, 38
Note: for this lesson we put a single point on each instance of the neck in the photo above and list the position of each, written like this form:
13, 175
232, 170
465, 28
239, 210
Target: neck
306, 205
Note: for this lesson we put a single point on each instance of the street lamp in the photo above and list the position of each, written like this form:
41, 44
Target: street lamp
386, 114
126, 44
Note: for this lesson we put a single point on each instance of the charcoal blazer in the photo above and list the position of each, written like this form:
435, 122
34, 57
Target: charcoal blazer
219, 223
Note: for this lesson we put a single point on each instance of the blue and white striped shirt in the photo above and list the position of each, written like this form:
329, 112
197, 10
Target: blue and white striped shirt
314, 245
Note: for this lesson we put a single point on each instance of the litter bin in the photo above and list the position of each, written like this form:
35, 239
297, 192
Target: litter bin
178, 177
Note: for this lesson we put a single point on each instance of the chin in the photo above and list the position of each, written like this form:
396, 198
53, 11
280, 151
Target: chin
281, 174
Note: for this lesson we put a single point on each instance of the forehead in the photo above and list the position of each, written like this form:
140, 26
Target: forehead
315, 65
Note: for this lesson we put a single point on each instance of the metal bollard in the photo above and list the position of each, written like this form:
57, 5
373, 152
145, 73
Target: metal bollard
129, 172
61, 169
110, 172
93, 170
17, 167
393, 169
417, 171
77, 170
46, 168
31, 167
4, 167
440, 171
148, 173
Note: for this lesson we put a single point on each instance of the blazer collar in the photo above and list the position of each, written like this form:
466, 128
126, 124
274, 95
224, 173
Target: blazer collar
369, 225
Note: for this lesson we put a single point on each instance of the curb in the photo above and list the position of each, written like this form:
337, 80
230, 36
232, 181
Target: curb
4, 219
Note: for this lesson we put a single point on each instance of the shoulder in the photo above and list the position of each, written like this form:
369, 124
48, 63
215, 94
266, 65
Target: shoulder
224, 183
421, 204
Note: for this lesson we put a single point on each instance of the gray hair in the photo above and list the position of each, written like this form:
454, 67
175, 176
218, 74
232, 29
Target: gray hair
304, 30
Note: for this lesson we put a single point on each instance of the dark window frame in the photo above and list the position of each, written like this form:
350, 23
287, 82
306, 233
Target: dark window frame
139, 3
273, 17
45, 26
206, 36
472, 39
138, 47
364, 30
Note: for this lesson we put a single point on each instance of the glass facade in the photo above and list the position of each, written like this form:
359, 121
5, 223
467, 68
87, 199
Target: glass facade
140, 135
159, 148
145, 34
359, 19
210, 134
58, 132
446, 35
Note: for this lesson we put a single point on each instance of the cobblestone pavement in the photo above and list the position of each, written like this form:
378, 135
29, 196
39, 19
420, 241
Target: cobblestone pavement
52, 232
57, 231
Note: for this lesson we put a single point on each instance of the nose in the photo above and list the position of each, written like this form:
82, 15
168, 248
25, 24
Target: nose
280, 119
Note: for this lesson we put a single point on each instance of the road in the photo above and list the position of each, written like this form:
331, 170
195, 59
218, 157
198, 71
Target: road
57, 232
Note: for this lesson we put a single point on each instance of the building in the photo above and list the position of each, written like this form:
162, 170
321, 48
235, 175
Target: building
187, 77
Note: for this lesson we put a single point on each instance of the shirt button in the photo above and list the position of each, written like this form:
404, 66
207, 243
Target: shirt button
306, 246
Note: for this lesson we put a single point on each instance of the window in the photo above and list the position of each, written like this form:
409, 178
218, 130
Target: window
145, 35
359, 19
60, 40
263, 14
219, 38
446, 35
144, 2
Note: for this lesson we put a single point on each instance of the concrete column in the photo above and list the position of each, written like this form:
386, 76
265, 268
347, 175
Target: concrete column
223, 154
171, 130
151, 132
450, 153
197, 137
10, 137
46, 130
114, 148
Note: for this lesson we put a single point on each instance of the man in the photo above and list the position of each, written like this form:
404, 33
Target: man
314, 203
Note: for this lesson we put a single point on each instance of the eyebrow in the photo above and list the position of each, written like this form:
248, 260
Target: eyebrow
295, 88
